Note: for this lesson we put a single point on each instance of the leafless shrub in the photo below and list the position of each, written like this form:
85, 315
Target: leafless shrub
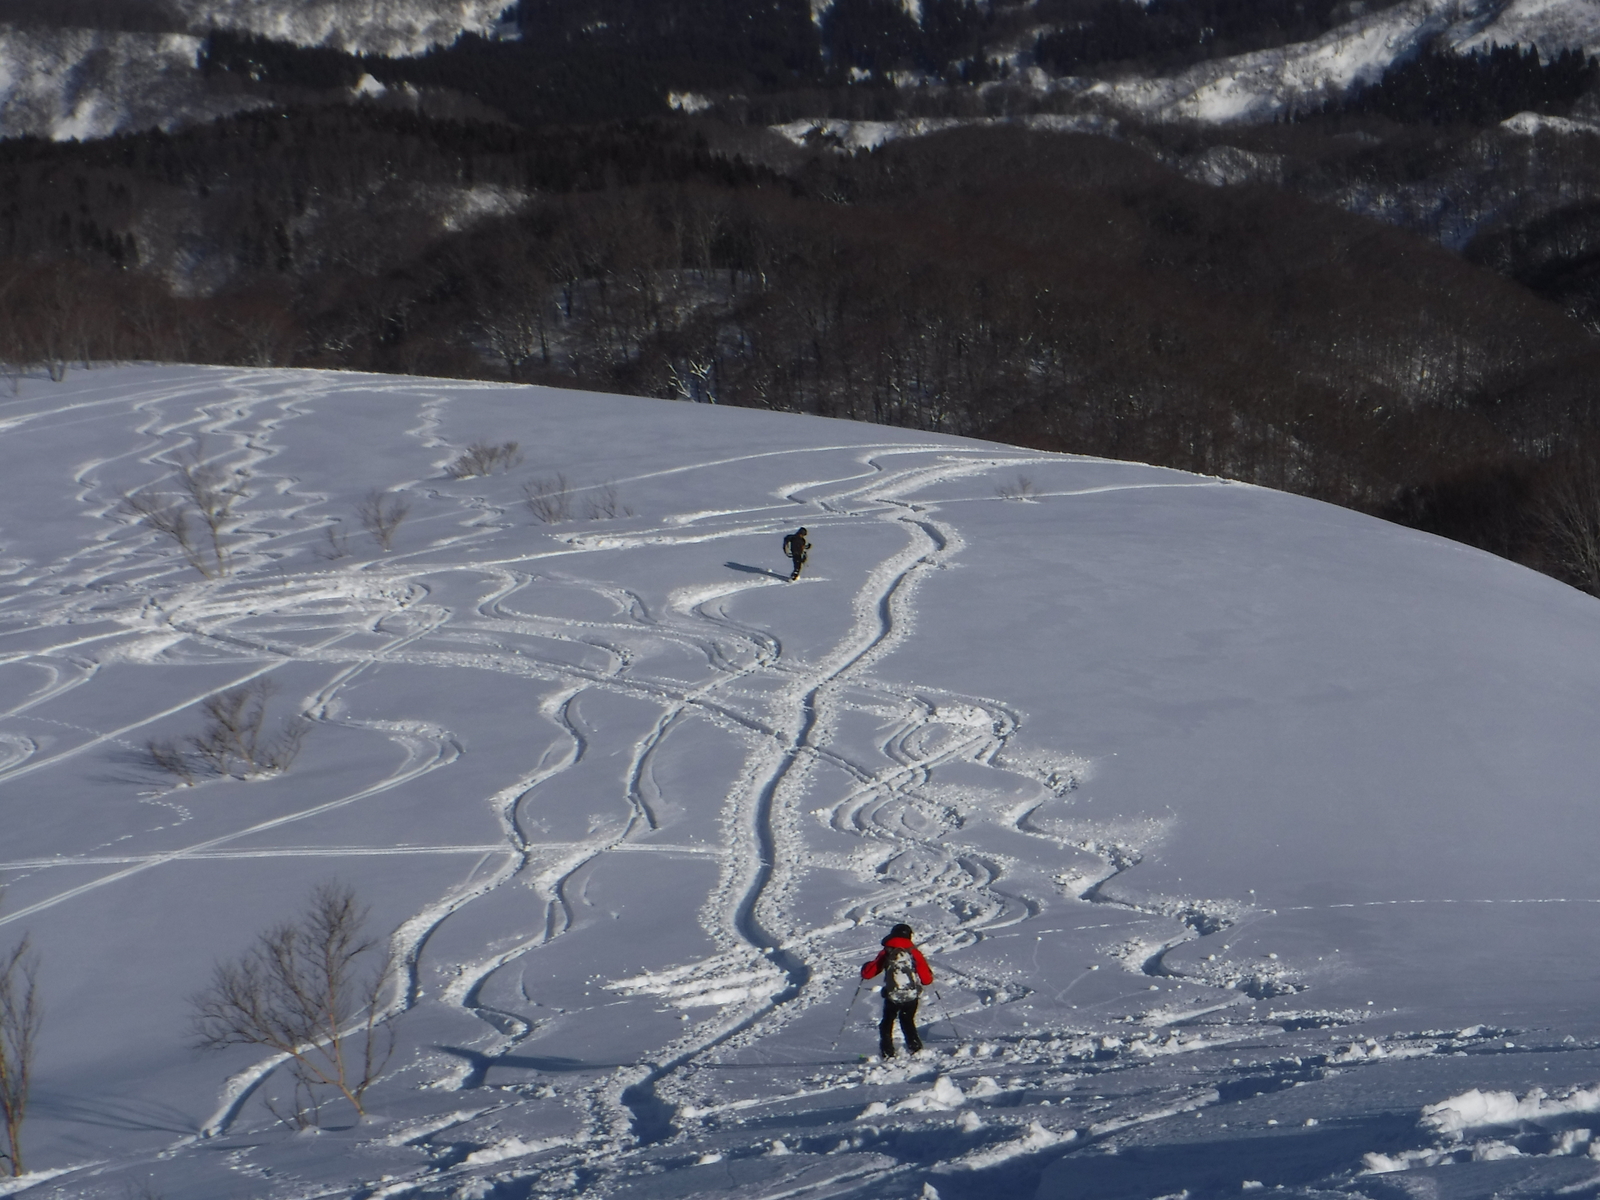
172, 758
234, 741
604, 505
311, 990
338, 543
484, 458
1569, 515
549, 499
381, 514
1022, 489
209, 493
20, 1018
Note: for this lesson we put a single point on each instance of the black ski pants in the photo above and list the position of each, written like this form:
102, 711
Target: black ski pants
906, 1014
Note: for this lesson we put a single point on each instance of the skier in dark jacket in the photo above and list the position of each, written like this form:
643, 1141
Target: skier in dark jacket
796, 546
905, 974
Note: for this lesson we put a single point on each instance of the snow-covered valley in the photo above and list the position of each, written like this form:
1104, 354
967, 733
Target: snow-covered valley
1250, 838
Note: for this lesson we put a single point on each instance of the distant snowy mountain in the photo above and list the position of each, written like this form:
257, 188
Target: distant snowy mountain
1251, 839
359, 26
79, 83
74, 83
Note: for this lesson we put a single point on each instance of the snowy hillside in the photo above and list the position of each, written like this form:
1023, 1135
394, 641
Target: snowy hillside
83, 83
359, 26
1262, 85
68, 83
1251, 839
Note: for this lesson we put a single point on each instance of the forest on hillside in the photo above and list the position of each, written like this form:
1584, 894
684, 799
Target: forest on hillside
1389, 303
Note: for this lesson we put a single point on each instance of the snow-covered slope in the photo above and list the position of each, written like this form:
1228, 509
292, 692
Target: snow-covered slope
1251, 839
81, 83
1261, 85
359, 26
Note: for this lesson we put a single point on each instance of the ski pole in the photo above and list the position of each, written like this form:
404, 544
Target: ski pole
848, 1010
946, 1009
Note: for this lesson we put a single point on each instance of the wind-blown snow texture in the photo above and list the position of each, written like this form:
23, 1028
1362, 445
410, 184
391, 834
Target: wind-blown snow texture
1252, 839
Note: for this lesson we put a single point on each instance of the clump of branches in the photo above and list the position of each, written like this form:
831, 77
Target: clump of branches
484, 458
337, 543
234, 741
207, 492
20, 1018
311, 990
1022, 489
605, 505
1569, 516
381, 513
549, 499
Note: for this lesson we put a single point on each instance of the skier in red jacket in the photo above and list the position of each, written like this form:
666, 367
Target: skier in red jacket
905, 974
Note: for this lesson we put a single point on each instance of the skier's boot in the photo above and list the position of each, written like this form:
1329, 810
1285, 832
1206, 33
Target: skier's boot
886, 1049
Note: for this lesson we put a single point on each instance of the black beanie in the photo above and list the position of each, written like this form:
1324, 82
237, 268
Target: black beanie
901, 931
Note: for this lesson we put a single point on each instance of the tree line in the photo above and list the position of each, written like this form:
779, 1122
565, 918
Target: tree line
1062, 292
1440, 87
1094, 36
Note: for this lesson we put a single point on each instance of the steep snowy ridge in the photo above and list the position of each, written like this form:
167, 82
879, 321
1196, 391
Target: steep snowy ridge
1249, 838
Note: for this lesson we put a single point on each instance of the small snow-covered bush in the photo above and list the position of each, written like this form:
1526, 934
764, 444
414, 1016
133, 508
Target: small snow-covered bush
1022, 489
484, 458
381, 514
206, 491
234, 740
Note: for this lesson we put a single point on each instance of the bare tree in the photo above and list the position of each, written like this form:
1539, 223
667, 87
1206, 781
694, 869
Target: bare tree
1570, 516
311, 990
381, 514
549, 499
694, 380
1023, 489
20, 1018
209, 492
484, 458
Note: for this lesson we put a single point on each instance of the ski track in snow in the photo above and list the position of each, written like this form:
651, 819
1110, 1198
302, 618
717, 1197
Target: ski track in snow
770, 966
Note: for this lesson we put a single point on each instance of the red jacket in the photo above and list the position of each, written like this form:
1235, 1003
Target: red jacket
924, 971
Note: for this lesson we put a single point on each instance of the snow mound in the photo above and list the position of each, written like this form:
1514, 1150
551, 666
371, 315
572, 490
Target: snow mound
1474, 1111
